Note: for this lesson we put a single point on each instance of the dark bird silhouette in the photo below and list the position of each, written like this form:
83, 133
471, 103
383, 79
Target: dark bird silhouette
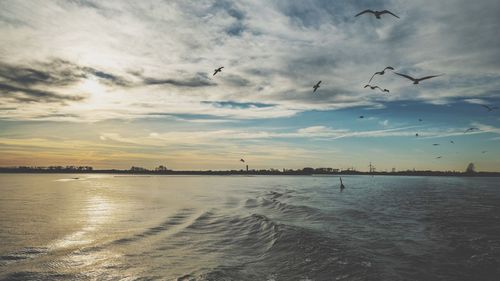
435, 144
489, 108
416, 134
377, 14
217, 70
242, 160
315, 87
376, 87
420, 120
452, 142
361, 117
342, 187
417, 80
372, 87
439, 157
381, 72
472, 129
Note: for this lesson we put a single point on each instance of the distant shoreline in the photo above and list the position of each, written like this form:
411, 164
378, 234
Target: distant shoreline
251, 173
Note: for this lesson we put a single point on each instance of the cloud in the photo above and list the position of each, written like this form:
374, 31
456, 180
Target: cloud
85, 3
237, 26
199, 80
55, 72
230, 135
384, 123
476, 101
272, 52
232, 104
33, 95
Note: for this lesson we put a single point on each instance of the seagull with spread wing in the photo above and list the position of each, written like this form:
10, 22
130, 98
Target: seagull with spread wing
472, 129
217, 70
381, 72
489, 108
242, 160
372, 87
377, 14
377, 87
315, 87
417, 80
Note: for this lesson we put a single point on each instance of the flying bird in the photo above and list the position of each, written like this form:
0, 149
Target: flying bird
381, 72
435, 144
217, 70
416, 134
341, 185
242, 160
385, 91
439, 157
315, 87
377, 14
489, 108
417, 80
472, 129
361, 117
452, 142
371, 87
420, 120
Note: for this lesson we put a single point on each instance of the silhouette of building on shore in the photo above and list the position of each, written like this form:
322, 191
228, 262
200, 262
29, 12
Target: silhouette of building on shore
163, 170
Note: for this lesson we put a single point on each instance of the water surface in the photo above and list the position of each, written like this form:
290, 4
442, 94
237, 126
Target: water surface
107, 227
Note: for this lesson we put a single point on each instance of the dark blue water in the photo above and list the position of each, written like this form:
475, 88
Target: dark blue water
248, 228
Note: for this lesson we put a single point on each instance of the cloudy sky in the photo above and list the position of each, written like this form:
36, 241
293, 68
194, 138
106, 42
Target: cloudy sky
118, 83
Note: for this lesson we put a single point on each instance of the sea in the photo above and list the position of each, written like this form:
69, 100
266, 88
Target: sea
270, 228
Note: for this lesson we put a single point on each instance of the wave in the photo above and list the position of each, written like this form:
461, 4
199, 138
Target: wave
22, 254
179, 218
272, 201
298, 254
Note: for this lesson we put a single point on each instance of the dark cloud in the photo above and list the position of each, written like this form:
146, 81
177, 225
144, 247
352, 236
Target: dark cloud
34, 95
235, 80
56, 72
199, 80
107, 77
85, 3
24, 76
235, 29
238, 26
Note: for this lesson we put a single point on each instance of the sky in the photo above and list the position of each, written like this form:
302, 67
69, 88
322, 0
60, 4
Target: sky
113, 84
